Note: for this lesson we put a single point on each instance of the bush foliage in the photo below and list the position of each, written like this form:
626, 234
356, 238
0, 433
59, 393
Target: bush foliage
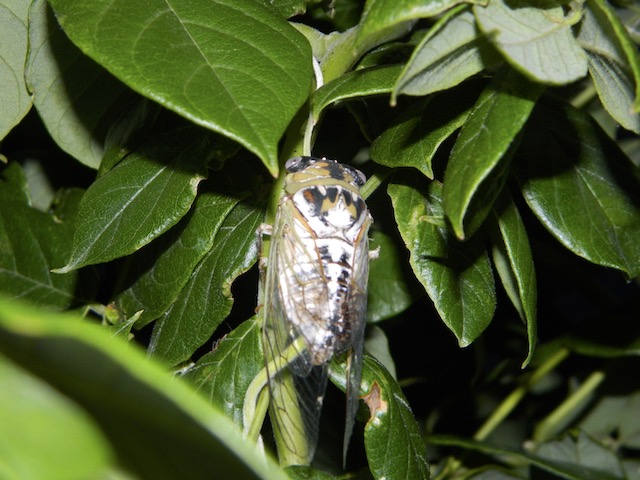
143, 145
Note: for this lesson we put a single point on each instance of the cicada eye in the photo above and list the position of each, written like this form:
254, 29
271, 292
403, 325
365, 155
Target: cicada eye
296, 164
358, 176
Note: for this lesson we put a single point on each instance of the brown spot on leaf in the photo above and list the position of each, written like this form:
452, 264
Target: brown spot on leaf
377, 406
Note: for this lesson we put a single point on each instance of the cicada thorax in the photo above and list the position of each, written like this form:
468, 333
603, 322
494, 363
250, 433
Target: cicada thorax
330, 219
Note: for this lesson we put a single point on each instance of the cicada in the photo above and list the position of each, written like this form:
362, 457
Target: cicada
315, 298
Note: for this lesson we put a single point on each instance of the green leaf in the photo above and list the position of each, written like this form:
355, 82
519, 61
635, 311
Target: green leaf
451, 51
613, 62
383, 20
585, 453
31, 242
480, 156
388, 292
158, 273
580, 186
514, 264
220, 64
457, 277
142, 197
360, 83
44, 435
206, 299
615, 415
536, 39
223, 375
76, 99
414, 137
376, 344
14, 97
394, 446
157, 426
569, 470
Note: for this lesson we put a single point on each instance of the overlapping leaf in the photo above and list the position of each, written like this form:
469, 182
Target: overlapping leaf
457, 277
223, 375
514, 264
536, 41
613, 63
394, 446
143, 411
452, 51
219, 64
479, 160
31, 244
14, 97
578, 183
76, 98
206, 299
160, 271
142, 197
383, 20
414, 137
46, 436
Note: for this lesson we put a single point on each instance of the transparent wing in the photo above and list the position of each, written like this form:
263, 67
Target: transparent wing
357, 305
296, 385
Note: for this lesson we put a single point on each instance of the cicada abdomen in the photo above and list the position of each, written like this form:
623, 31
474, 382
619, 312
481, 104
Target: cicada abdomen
315, 298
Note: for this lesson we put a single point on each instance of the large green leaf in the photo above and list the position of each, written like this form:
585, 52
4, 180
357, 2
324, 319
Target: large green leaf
613, 62
452, 51
395, 449
414, 137
76, 99
142, 197
457, 276
157, 426
223, 375
31, 244
44, 435
476, 167
234, 66
534, 38
580, 186
14, 97
206, 299
158, 273
514, 264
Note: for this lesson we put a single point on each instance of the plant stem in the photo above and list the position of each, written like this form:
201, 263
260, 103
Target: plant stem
510, 403
553, 422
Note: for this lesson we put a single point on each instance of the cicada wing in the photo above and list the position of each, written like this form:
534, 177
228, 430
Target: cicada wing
296, 385
357, 308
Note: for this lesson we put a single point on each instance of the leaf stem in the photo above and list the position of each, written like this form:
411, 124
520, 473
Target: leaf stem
554, 422
514, 398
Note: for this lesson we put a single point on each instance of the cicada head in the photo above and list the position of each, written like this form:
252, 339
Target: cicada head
305, 169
